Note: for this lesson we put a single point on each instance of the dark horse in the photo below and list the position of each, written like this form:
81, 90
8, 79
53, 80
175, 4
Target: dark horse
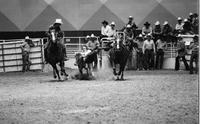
86, 64
119, 54
55, 55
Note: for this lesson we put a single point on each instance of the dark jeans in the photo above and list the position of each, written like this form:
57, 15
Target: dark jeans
149, 59
194, 58
159, 58
177, 63
26, 61
140, 60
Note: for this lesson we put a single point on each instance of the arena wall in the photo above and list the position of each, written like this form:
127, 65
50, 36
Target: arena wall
82, 15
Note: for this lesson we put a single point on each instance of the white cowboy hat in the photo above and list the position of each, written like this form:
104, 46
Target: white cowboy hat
191, 14
140, 35
87, 36
92, 36
179, 18
128, 26
130, 17
165, 23
27, 37
157, 23
185, 20
58, 21
112, 23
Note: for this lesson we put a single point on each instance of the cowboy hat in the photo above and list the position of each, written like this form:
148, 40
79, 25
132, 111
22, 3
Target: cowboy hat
92, 36
191, 14
128, 26
58, 21
112, 23
149, 35
179, 18
87, 36
104, 22
147, 23
130, 17
27, 37
165, 23
185, 20
140, 35
157, 23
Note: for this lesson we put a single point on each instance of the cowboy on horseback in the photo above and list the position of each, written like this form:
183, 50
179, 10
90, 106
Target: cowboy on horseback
55, 33
93, 45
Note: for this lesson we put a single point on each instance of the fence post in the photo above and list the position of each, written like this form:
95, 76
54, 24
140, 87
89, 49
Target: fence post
3, 59
42, 52
79, 43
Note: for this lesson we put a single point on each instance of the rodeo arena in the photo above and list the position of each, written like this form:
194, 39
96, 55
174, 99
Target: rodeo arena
111, 67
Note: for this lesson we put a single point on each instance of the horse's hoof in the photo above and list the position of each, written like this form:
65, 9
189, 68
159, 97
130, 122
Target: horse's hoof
54, 77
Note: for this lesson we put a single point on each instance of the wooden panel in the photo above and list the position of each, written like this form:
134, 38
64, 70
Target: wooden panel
32, 55
9, 57
8, 63
9, 69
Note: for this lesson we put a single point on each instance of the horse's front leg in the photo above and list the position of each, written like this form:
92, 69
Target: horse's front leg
114, 68
90, 66
62, 66
55, 71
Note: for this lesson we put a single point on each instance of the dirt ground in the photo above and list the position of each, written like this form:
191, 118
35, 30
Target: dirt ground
145, 97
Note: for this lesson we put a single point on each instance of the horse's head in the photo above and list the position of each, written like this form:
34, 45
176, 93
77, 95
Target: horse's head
53, 35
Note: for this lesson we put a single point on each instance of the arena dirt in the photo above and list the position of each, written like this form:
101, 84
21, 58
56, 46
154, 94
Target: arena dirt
146, 97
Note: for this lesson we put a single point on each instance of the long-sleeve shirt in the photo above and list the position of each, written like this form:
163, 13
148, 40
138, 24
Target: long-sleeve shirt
148, 45
157, 30
92, 45
25, 47
111, 32
146, 31
194, 47
179, 26
104, 30
160, 44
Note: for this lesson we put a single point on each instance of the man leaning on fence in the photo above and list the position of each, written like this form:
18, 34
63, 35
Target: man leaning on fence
26, 47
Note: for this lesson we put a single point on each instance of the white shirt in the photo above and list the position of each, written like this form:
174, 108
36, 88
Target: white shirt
148, 45
111, 32
179, 26
104, 30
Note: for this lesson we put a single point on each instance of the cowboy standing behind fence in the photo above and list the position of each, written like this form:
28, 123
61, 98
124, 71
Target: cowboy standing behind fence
55, 33
26, 47
194, 56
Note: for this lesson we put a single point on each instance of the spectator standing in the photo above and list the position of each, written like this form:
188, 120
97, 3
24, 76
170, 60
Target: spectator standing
26, 47
148, 51
194, 56
160, 44
140, 56
181, 52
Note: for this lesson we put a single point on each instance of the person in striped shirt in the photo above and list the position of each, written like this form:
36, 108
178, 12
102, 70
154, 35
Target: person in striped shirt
194, 56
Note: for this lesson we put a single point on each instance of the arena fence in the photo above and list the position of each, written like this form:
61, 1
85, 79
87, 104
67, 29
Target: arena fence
11, 54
